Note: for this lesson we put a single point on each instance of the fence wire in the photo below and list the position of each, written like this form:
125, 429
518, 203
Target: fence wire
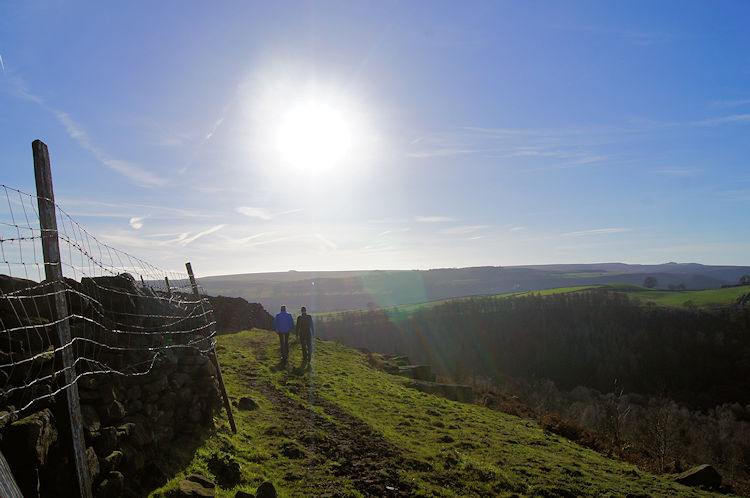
125, 314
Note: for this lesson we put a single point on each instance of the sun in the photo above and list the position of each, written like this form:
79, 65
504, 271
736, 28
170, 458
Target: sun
313, 136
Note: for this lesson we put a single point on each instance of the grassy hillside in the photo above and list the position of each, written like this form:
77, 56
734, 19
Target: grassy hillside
346, 429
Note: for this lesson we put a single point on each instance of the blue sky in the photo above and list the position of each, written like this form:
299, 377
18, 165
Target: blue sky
452, 133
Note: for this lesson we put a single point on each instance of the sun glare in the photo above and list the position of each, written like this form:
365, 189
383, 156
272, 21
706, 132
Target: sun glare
313, 136
318, 132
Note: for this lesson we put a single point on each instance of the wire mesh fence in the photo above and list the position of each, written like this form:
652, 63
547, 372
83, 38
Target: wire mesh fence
124, 313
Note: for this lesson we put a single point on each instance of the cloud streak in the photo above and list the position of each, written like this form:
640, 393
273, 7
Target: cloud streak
138, 175
428, 154
326, 243
254, 212
137, 222
556, 148
463, 229
185, 238
678, 171
734, 118
129, 170
732, 103
433, 219
596, 231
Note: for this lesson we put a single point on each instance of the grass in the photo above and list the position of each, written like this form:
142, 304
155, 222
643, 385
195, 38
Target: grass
344, 428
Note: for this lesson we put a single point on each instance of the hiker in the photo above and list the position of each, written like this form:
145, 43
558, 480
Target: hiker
283, 323
305, 330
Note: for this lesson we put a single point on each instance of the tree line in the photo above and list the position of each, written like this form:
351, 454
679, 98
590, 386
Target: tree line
590, 338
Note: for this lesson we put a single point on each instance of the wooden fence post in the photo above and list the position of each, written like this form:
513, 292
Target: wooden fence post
53, 272
214, 358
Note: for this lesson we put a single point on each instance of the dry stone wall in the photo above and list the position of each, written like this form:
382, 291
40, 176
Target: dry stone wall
133, 423
234, 314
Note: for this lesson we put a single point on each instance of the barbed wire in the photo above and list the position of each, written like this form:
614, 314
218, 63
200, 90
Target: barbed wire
123, 312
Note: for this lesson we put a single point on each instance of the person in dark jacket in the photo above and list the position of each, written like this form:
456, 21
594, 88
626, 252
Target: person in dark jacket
283, 323
305, 330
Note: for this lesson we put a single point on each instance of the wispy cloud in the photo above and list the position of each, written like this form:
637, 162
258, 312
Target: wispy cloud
250, 241
292, 211
214, 128
636, 37
557, 148
553, 148
141, 177
503, 132
517, 229
595, 231
741, 195
440, 144
570, 158
433, 219
137, 222
427, 154
129, 170
254, 212
185, 238
463, 229
678, 171
98, 209
2, 66
731, 103
326, 243
734, 118
211, 132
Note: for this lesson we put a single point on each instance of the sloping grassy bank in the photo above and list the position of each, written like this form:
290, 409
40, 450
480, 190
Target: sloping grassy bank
343, 428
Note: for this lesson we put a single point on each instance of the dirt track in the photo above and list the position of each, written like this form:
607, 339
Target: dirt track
364, 457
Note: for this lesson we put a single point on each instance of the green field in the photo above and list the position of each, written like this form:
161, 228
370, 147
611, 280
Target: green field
700, 298
344, 428
710, 298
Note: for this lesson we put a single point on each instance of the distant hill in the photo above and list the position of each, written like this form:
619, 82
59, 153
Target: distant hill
349, 290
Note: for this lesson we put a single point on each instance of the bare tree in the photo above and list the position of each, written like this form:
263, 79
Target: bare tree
616, 410
660, 419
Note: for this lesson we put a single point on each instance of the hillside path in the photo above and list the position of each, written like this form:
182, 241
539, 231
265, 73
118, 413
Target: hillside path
364, 457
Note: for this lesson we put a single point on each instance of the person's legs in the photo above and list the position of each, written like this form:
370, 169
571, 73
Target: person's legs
284, 346
305, 341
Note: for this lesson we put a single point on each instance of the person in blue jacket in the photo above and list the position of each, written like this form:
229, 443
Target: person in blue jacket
283, 323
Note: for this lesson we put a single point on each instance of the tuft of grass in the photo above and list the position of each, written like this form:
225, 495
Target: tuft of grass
345, 428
